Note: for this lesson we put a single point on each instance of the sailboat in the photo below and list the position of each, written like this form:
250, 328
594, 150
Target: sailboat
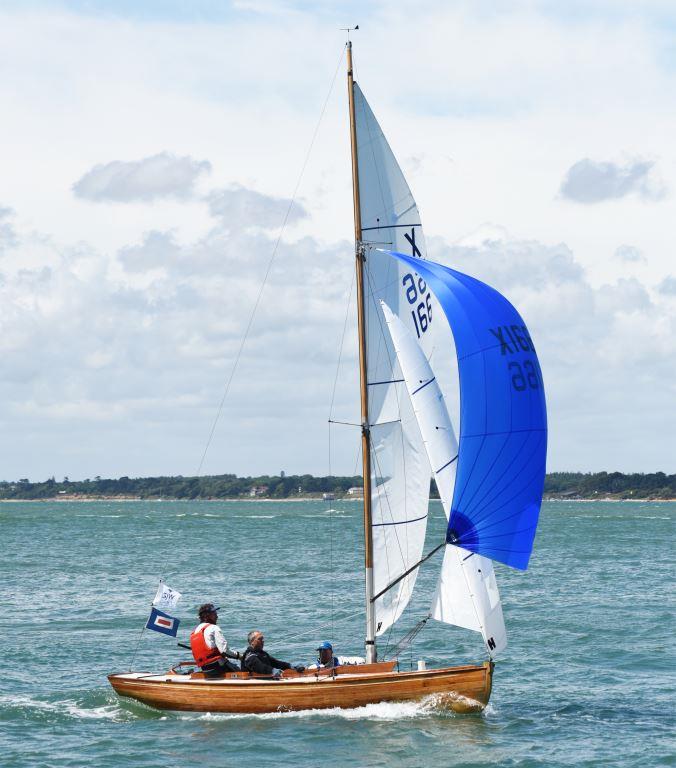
414, 317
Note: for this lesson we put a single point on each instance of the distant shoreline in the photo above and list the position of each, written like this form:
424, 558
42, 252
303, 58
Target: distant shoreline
562, 486
81, 499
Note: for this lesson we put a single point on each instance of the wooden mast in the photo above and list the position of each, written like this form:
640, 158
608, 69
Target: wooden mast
360, 256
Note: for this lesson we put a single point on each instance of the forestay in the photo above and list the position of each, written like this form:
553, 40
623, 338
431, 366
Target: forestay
400, 469
503, 422
467, 593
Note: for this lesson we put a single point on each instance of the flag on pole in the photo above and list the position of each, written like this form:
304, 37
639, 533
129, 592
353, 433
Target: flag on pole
163, 622
166, 597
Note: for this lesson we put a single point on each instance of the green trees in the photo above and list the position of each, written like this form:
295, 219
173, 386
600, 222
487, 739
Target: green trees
657, 485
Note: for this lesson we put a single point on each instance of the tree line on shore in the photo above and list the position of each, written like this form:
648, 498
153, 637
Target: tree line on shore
562, 485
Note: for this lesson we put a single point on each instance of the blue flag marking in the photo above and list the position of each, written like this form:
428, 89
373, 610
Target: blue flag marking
163, 622
503, 419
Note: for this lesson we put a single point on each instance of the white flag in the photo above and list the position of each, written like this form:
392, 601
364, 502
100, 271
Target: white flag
166, 598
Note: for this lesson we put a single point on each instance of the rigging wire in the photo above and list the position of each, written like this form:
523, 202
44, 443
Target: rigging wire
313, 631
340, 351
331, 570
407, 640
269, 265
333, 396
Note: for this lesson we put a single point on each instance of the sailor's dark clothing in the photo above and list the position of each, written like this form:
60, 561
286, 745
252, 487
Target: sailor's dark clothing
333, 662
261, 662
218, 668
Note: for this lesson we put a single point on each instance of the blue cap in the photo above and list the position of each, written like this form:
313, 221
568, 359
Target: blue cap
325, 646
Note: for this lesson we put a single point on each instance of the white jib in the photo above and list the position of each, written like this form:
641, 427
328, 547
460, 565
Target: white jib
467, 593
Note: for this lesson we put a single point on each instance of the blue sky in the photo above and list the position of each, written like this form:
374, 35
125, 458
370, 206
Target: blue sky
196, 11
659, 15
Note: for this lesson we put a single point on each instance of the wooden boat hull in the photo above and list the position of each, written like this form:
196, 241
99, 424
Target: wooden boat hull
463, 689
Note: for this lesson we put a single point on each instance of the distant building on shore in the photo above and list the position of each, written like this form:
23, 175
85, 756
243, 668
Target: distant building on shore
355, 491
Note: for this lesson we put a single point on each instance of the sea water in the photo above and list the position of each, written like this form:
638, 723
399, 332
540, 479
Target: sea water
587, 680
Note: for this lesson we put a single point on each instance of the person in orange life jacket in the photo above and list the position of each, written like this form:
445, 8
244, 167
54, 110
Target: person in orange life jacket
256, 660
326, 658
209, 647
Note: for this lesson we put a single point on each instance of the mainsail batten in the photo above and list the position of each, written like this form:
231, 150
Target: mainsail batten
467, 593
503, 424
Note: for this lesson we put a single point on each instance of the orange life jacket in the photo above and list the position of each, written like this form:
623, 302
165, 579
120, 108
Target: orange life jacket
200, 650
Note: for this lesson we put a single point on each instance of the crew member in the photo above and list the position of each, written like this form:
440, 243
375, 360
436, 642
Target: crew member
326, 659
256, 660
208, 645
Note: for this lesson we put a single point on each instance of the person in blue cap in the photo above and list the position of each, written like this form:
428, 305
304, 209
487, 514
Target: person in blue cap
326, 658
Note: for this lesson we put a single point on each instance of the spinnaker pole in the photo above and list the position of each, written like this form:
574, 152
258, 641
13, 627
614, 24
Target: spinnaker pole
360, 256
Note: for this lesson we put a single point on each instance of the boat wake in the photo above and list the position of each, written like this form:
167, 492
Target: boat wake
82, 705
101, 705
436, 705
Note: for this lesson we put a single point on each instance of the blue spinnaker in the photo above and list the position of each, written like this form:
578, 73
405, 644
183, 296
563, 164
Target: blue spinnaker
503, 420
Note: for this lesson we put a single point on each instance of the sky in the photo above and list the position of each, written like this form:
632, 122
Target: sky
150, 152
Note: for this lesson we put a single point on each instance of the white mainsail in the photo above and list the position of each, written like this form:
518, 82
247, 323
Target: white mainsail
467, 593
400, 469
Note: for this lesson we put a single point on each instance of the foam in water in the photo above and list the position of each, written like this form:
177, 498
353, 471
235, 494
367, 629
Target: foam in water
384, 711
65, 706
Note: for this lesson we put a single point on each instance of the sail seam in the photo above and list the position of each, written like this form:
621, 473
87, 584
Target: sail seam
507, 440
506, 432
534, 478
492, 495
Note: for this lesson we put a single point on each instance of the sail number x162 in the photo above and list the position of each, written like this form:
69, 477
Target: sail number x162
418, 295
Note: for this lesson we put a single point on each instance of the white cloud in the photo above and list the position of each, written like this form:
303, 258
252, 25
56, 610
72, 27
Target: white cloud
157, 250
7, 235
629, 254
136, 350
591, 181
160, 176
134, 312
239, 207
668, 286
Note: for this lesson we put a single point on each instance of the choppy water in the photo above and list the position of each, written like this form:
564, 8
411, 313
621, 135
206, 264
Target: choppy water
588, 679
